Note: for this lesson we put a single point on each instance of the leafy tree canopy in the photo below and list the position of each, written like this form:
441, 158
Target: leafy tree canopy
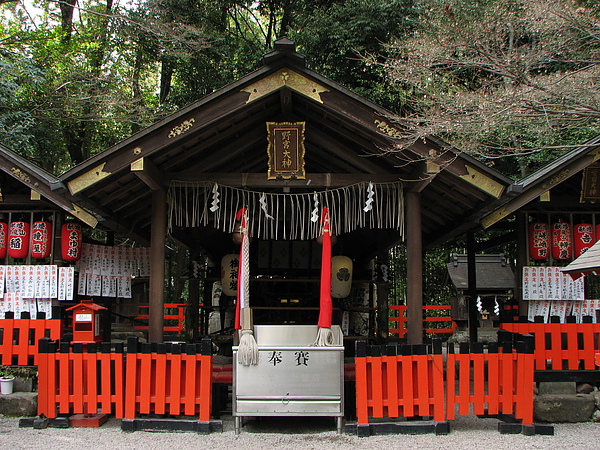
502, 78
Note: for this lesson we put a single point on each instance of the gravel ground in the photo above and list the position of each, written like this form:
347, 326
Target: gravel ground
468, 432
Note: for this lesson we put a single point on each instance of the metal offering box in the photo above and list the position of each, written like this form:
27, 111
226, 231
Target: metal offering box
292, 377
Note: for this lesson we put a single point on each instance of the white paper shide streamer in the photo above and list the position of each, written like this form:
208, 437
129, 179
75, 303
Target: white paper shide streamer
362, 205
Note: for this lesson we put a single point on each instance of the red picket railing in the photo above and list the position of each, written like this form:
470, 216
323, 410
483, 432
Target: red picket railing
491, 383
19, 339
161, 379
399, 317
399, 386
415, 385
168, 383
169, 317
75, 380
561, 346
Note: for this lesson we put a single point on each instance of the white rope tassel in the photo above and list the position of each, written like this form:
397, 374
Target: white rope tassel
248, 349
324, 338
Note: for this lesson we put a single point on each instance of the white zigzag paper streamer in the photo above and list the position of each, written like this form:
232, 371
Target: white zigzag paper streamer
369, 203
315, 212
215, 202
263, 205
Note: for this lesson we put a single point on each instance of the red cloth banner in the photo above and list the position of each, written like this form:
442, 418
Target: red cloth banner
325, 304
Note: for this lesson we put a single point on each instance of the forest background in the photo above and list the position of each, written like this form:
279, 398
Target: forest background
512, 82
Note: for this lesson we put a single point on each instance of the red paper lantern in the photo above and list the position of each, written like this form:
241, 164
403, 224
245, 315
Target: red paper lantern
71, 241
561, 240
539, 240
3, 239
583, 238
598, 232
18, 240
41, 239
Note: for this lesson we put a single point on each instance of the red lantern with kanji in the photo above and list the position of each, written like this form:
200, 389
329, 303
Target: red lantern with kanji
41, 239
3, 239
583, 238
71, 241
561, 240
18, 240
539, 240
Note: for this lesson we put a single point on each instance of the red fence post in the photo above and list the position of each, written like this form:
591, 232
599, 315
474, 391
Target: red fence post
6, 345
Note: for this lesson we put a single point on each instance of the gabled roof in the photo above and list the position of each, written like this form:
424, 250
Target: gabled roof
562, 176
587, 262
223, 138
20, 177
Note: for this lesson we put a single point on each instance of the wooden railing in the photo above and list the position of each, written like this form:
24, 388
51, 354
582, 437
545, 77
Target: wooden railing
499, 381
392, 385
19, 338
173, 379
149, 379
169, 317
407, 381
399, 317
562, 346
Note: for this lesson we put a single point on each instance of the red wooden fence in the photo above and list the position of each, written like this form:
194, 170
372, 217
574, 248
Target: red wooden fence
561, 346
74, 379
399, 317
160, 379
19, 339
173, 322
399, 386
415, 385
492, 383
169, 383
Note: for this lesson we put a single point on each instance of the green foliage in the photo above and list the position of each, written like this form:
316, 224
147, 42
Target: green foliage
25, 372
337, 37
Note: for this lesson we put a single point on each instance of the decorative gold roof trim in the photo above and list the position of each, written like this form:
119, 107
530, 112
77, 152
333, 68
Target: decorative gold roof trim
281, 78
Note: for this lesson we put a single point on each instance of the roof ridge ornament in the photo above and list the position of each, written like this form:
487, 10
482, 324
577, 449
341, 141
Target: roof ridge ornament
284, 47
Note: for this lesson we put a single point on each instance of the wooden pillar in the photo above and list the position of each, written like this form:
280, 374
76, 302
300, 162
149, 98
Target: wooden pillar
383, 303
472, 276
193, 303
522, 259
414, 256
157, 266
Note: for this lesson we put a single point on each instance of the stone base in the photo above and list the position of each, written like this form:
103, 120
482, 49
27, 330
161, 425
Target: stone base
19, 404
563, 408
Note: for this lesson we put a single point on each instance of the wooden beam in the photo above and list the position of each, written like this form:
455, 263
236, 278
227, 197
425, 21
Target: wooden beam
544, 184
325, 141
313, 180
148, 173
157, 266
228, 152
170, 131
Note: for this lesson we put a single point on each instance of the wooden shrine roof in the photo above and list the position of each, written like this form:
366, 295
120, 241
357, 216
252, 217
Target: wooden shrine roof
561, 182
223, 138
24, 186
